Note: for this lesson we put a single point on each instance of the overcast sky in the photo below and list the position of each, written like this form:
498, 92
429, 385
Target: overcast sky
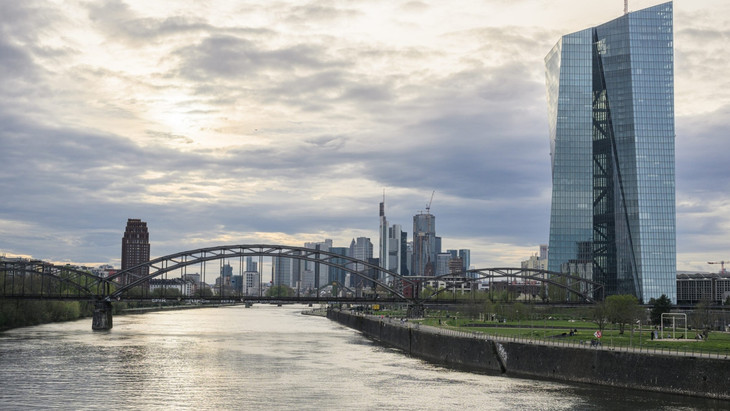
283, 122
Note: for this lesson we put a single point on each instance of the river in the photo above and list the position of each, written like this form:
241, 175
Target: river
262, 358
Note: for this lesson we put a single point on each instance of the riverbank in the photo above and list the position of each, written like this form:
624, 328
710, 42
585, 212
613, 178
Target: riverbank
30, 313
666, 373
26, 313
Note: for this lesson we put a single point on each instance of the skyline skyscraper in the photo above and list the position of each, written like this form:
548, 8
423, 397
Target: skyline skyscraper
135, 249
611, 116
362, 249
285, 271
424, 244
390, 251
321, 271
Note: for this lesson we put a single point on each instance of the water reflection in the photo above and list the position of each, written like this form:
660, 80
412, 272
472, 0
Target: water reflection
263, 357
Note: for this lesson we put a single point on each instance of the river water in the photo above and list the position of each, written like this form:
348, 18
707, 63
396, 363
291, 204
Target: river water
262, 358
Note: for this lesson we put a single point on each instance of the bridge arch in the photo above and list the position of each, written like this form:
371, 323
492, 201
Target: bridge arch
19, 279
586, 291
173, 262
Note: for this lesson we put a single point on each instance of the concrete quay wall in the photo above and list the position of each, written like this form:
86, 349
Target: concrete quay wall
687, 375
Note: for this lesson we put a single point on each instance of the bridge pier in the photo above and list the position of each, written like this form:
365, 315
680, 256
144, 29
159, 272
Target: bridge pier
102, 316
415, 311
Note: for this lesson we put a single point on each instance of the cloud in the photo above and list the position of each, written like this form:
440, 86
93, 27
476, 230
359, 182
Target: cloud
233, 57
285, 122
121, 23
317, 13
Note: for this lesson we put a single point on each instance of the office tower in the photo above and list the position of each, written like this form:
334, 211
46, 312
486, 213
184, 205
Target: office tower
424, 244
405, 254
237, 283
252, 283
384, 247
338, 274
251, 264
226, 274
284, 271
611, 116
361, 249
306, 281
391, 248
442, 263
465, 256
135, 249
321, 271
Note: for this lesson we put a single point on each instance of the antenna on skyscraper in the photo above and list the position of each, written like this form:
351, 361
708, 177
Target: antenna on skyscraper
626, 6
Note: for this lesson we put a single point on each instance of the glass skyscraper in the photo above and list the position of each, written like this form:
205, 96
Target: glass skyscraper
611, 115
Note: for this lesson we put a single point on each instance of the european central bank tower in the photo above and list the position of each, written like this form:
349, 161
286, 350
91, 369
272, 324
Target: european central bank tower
611, 115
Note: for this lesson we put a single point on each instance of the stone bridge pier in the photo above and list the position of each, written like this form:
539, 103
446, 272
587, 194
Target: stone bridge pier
102, 316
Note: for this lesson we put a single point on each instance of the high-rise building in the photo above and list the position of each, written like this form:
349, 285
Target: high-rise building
285, 270
252, 282
424, 244
226, 274
465, 256
251, 264
442, 263
306, 281
237, 283
361, 249
338, 274
405, 254
384, 245
611, 116
135, 249
391, 250
409, 257
321, 271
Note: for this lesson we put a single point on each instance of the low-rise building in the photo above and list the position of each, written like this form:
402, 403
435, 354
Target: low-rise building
695, 287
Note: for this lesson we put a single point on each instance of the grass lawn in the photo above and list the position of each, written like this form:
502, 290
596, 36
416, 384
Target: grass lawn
552, 330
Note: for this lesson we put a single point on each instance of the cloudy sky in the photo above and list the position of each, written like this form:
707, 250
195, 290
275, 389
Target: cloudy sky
283, 122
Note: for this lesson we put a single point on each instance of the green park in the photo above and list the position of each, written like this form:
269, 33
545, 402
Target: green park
618, 322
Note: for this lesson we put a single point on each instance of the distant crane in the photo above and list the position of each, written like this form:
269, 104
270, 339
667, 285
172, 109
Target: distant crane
428, 206
722, 265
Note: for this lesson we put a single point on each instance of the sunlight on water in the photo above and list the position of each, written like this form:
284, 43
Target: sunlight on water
263, 357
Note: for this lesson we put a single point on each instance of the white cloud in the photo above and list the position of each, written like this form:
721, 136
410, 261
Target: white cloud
281, 122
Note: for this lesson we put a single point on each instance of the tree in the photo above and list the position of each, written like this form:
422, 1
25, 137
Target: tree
599, 315
279, 291
519, 312
171, 292
622, 310
660, 306
700, 316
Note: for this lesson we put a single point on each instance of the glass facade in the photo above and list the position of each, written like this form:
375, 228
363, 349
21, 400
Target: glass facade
611, 116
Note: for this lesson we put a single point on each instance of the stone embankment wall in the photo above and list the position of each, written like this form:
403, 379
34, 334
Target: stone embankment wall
705, 377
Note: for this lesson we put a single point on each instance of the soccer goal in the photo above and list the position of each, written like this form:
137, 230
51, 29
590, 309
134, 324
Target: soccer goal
674, 317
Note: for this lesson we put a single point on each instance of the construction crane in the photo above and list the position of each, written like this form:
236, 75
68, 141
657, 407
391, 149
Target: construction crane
722, 265
428, 206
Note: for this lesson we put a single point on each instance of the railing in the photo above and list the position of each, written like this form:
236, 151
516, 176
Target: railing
581, 344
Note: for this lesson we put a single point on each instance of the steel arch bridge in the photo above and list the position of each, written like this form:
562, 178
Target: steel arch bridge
35, 279
40, 280
583, 289
177, 261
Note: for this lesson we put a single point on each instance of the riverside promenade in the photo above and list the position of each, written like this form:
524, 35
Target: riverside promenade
676, 372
